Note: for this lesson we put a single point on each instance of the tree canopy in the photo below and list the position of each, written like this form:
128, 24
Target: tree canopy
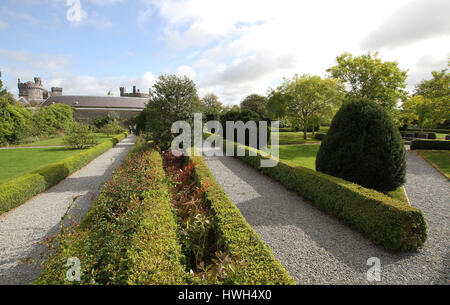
367, 76
256, 103
172, 99
308, 97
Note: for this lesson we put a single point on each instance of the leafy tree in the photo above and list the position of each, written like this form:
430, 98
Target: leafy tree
420, 109
256, 103
212, 106
80, 136
308, 97
437, 91
367, 76
277, 103
172, 99
15, 122
364, 146
49, 119
6, 95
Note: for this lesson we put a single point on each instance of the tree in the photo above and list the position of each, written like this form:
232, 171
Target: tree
308, 97
364, 146
277, 103
172, 99
420, 109
212, 106
256, 103
437, 90
368, 77
6, 95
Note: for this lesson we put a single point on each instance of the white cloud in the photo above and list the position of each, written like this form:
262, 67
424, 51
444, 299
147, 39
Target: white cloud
57, 70
242, 47
413, 22
186, 71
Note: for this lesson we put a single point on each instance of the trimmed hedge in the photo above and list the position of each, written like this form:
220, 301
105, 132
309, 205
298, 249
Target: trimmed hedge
129, 235
238, 236
429, 130
385, 221
430, 144
16, 191
319, 136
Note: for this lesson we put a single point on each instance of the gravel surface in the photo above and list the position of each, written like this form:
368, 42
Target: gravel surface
318, 249
23, 228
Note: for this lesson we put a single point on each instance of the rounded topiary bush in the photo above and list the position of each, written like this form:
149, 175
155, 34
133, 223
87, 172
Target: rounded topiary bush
364, 146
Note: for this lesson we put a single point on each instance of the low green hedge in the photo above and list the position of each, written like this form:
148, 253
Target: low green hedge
387, 222
430, 130
16, 191
238, 236
430, 144
129, 235
319, 136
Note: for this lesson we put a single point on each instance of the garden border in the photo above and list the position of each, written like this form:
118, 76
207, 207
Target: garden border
16, 191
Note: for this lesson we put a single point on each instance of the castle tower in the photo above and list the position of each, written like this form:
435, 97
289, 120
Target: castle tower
56, 91
32, 92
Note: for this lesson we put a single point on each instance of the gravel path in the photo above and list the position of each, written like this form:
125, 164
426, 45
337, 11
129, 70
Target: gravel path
24, 227
318, 249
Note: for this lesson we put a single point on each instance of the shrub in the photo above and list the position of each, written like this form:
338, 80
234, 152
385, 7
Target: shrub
112, 128
49, 119
238, 236
422, 135
447, 137
364, 146
320, 136
15, 122
385, 221
430, 144
128, 235
16, 191
80, 136
432, 136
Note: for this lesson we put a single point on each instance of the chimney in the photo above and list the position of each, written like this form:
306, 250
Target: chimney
134, 89
122, 91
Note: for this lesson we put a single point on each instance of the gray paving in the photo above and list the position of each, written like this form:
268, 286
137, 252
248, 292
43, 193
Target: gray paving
22, 229
318, 249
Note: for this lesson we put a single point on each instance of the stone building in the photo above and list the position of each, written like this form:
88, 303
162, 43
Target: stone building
34, 92
88, 108
135, 93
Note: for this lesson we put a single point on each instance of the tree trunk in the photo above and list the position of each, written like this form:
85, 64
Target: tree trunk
304, 131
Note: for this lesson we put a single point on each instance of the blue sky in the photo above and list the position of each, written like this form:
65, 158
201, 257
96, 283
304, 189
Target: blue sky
232, 48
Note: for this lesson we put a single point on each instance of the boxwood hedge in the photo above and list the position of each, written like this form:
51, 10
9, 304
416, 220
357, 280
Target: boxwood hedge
128, 236
430, 144
16, 191
238, 236
387, 222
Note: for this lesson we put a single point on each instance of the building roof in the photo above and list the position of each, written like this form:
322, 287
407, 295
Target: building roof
98, 102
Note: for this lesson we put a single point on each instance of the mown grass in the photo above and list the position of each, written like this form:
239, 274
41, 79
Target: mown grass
438, 158
305, 155
17, 162
59, 141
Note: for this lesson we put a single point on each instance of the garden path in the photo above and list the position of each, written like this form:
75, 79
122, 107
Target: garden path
22, 229
318, 249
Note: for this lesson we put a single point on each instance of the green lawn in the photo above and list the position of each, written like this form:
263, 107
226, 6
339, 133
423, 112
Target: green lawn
439, 158
286, 138
59, 141
305, 155
17, 162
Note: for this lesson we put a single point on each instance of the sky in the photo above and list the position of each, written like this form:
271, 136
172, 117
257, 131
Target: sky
231, 48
